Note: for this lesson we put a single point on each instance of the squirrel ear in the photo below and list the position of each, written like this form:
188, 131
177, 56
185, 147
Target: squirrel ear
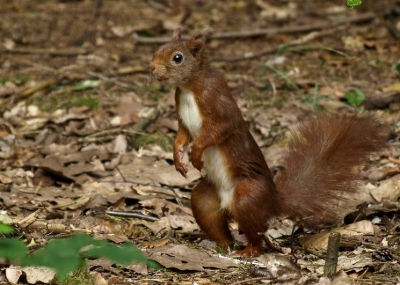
196, 44
176, 34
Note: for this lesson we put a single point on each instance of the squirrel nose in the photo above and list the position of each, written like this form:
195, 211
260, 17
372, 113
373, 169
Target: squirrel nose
151, 68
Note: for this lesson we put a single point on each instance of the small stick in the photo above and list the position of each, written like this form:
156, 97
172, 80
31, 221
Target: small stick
105, 78
269, 243
266, 32
332, 253
38, 87
289, 46
96, 11
50, 51
248, 281
132, 215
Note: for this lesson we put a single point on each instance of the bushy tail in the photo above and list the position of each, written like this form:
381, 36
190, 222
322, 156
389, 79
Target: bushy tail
321, 169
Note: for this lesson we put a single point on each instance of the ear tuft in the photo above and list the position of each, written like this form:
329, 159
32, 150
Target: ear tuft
196, 44
176, 34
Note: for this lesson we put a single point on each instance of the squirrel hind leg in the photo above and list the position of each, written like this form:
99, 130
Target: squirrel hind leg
206, 207
251, 212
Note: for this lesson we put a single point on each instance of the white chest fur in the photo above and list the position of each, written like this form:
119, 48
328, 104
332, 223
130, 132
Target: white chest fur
214, 159
189, 113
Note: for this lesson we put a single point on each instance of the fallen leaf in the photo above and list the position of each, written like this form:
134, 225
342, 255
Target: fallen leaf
353, 43
157, 172
281, 267
393, 87
388, 189
320, 240
36, 274
153, 244
184, 258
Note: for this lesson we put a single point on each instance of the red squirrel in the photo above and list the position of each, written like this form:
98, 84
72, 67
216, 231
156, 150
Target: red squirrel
323, 154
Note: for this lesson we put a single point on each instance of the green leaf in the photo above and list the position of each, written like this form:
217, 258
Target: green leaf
63, 255
68, 255
87, 84
396, 66
6, 229
353, 3
355, 97
62, 264
16, 80
125, 254
12, 249
153, 264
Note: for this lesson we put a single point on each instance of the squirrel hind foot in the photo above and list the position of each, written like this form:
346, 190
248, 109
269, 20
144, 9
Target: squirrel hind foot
250, 251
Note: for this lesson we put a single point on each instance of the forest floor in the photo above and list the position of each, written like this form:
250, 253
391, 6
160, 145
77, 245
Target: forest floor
86, 129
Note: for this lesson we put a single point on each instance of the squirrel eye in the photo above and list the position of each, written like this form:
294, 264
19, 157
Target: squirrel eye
178, 58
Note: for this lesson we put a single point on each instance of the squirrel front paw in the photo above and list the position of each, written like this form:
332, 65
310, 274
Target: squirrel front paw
196, 154
182, 168
179, 164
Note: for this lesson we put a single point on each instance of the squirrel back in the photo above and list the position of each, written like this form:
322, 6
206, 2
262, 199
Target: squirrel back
322, 165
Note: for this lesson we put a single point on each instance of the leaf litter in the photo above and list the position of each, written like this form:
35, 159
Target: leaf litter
85, 129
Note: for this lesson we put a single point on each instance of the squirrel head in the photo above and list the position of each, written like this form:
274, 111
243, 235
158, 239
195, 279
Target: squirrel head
179, 61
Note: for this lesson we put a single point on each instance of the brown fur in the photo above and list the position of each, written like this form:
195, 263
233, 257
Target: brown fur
321, 173
320, 163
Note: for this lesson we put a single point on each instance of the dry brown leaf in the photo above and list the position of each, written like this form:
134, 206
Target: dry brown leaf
5, 179
184, 258
393, 87
156, 227
353, 43
120, 144
127, 110
140, 268
98, 279
388, 189
182, 223
157, 243
147, 190
269, 11
149, 170
355, 262
8, 88
74, 166
116, 238
280, 267
160, 205
320, 241
335, 91
38, 274
13, 273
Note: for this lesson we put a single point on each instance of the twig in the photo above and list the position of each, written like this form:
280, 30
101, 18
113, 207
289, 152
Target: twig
51, 51
267, 32
96, 11
286, 78
118, 129
159, 6
105, 78
396, 121
332, 254
131, 69
318, 46
273, 89
269, 243
39, 66
120, 173
132, 215
248, 281
37, 87
315, 98
297, 42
